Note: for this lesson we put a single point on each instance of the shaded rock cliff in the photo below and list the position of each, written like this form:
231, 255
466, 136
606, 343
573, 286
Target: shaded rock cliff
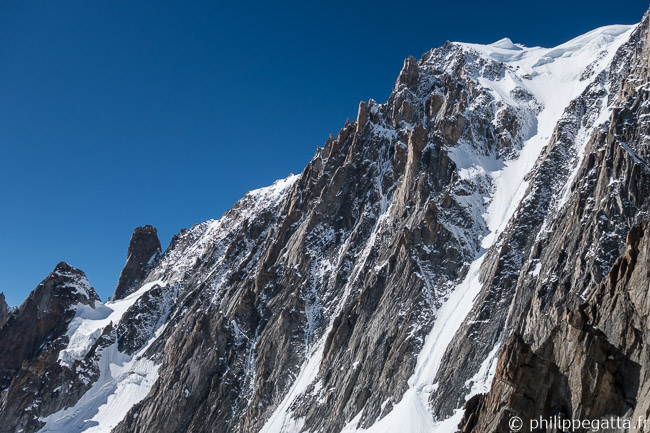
30, 342
593, 364
4, 310
144, 250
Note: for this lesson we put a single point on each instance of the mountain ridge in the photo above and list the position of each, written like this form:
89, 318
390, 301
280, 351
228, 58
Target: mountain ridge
380, 288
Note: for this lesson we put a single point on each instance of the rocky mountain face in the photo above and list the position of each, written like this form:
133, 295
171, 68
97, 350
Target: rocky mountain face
4, 310
591, 365
32, 379
144, 250
453, 257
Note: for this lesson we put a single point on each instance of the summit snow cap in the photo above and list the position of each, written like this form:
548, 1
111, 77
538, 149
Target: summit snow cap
593, 42
506, 44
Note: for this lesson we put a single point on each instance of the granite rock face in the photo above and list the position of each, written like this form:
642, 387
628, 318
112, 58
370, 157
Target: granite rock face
566, 234
144, 250
4, 310
32, 380
43, 317
593, 363
575, 315
452, 257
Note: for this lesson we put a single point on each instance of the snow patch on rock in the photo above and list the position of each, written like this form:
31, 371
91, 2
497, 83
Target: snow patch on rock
89, 323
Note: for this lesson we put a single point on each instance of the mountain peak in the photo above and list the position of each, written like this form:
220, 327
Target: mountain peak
66, 280
587, 45
144, 250
506, 44
43, 317
4, 310
63, 268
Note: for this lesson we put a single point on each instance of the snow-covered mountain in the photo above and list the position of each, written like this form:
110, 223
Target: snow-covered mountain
453, 257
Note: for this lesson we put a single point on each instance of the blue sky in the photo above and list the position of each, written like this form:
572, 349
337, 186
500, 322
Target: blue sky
115, 114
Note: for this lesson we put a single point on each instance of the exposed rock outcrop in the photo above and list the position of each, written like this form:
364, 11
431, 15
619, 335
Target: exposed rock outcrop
579, 208
43, 317
32, 380
593, 365
4, 310
144, 250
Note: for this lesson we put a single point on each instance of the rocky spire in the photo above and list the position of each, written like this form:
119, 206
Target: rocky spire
4, 310
144, 250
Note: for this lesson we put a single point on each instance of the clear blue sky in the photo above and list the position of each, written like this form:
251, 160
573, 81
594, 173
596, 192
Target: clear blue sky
115, 114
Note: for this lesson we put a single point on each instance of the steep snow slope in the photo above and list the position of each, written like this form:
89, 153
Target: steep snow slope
124, 378
554, 76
